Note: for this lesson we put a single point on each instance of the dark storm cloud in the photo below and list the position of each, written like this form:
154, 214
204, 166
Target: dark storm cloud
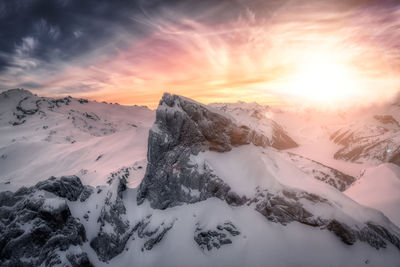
32, 85
60, 29
47, 34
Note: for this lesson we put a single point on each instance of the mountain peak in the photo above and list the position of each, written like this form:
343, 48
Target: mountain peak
16, 92
184, 127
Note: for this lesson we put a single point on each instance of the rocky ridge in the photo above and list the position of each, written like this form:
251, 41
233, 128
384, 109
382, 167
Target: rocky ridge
184, 128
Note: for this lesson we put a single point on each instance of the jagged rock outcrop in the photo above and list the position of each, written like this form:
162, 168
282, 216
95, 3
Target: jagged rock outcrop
69, 187
184, 128
36, 225
116, 229
108, 244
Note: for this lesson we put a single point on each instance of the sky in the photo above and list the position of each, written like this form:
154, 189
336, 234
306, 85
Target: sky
340, 52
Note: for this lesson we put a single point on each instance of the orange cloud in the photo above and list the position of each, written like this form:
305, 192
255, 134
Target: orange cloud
252, 59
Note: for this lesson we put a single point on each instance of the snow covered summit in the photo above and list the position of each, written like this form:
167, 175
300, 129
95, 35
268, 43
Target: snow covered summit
42, 137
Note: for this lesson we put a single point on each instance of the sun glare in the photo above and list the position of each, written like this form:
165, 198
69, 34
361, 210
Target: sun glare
324, 81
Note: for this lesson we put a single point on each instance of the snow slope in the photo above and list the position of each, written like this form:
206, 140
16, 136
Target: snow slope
314, 152
379, 188
43, 137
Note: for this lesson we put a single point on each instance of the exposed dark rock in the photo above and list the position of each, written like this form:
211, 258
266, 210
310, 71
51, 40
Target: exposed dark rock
35, 230
91, 123
342, 231
79, 260
210, 239
69, 187
385, 234
85, 194
369, 143
341, 137
286, 208
60, 101
156, 236
387, 119
91, 116
83, 101
395, 158
16, 123
184, 128
112, 216
108, 245
278, 138
322, 172
234, 199
26, 111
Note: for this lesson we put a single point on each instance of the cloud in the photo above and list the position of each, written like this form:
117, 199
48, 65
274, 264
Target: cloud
131, 51
30, 85
26, 47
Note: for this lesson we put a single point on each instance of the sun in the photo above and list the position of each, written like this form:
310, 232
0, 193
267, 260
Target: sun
325, 81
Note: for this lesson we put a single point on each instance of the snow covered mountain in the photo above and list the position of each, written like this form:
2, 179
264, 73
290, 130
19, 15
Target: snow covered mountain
255, 116
42, 137
261, 117
217, 190
372, 137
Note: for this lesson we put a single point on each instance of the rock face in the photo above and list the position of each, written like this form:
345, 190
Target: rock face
215, 238
184, 128
69, 187
115, 228
150, 236
253, 115
290, 206
387, 119
36, 225
108, 244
